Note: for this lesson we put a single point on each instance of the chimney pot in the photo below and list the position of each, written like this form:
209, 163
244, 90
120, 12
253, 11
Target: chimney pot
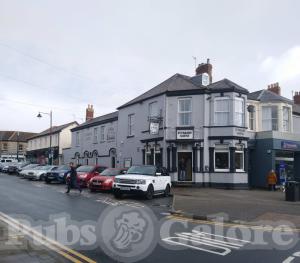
205, 68
275, 88
89, 113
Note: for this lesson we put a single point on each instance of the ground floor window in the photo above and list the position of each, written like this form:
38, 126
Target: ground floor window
239, 158
153, 156
221, 158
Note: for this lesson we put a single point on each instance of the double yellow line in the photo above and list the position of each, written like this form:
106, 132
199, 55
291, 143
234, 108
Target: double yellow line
64, 251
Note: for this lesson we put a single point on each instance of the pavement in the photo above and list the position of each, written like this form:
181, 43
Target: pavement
16, 247
238, 206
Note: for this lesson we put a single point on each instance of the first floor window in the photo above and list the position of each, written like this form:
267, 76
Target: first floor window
222, 158
239, 158
4, 147
221, 111
185, 112
77, 138
286, 119
111, 133
239, 111
20, 147
252, 121
131, 125
95, 135
102, 133
269, 118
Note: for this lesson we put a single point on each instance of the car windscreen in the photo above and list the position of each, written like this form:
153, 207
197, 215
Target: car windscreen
85, 168
111, 172
142, 170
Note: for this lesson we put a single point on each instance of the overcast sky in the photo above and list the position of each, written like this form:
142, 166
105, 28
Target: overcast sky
65, 54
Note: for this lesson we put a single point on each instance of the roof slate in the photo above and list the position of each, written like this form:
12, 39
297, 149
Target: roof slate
267, 96
14, 136
55, 129
179, 82
98, 120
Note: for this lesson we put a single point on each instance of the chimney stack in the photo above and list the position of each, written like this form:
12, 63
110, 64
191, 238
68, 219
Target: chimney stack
89, 113
205, 68
297, 98
275, 88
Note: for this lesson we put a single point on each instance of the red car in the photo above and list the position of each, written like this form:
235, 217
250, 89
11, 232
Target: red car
86, 172
105, 180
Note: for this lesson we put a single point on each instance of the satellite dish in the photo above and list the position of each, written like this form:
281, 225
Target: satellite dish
251, 108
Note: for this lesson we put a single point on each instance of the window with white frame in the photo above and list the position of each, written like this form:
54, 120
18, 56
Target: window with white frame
111, 133
221, 111
153, 109
131, 125
286, 123
185, 112
102, 133
269, 118
252, 120
239, 158
221, 158
95, 137
77, 139
239, 116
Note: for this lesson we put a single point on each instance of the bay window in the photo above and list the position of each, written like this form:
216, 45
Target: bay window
221, 158
185, 112
239, 105
239, 158
269, 118
221, 112
286, 124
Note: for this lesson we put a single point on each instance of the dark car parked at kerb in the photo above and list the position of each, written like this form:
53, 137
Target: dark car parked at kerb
58, 175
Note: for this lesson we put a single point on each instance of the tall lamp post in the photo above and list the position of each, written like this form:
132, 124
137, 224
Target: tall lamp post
50, 147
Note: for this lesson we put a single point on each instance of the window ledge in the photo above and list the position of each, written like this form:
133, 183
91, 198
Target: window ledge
222, 170
130, 136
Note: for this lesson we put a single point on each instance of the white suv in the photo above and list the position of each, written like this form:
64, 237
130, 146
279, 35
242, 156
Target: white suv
147, 180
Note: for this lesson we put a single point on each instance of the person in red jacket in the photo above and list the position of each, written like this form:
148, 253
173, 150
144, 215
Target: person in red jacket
272, 180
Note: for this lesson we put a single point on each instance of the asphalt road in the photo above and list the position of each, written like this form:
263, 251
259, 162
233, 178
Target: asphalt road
103, 229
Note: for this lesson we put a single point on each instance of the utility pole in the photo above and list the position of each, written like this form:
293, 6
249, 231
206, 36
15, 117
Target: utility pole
18, 134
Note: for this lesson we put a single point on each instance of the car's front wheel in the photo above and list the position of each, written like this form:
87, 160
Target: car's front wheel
41, 178
150, 192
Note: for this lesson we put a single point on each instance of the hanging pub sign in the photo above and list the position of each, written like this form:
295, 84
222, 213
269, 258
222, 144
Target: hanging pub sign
154, 128
185, 134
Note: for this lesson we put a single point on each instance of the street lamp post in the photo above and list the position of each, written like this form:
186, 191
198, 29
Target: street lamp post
18, 134
50, 147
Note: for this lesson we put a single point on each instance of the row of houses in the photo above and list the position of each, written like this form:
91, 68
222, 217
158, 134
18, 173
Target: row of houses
206, 133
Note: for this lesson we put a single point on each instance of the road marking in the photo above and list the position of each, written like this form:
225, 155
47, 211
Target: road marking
210, 243
68, 253
291, 258
253, 227
109, 201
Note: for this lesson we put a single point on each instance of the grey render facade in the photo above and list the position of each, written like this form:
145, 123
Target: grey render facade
197, 145
197, 131
94, 142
